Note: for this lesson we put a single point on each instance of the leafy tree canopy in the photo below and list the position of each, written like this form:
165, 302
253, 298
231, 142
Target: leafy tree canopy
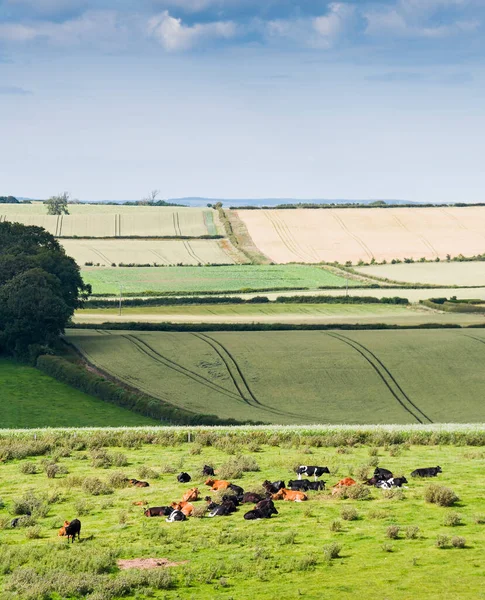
8, 200
40, 287
57, 205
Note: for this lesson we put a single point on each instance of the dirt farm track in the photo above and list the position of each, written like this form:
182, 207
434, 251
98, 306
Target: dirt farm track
304, 235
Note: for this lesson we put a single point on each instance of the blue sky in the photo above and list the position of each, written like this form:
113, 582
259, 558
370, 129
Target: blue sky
243, 98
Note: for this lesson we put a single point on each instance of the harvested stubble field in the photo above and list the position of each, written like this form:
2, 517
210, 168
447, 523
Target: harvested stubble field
470, 273
211, 279
117, 221
277, 313
289, 555
160, 252
310, 236
29, 398
291, 377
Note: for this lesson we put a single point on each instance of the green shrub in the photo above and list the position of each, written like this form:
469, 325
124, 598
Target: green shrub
362, 472
95, 487
235, 467
442, 541
83, 507
287, 538
393, 494
331, 551
33, 532
349, 513
335, 525
117, 479
52, 470
145, 472
387, 547
458, 542
195, 450
358, 492
412, 532
378, 513
451, 519
479, 519
437, 494
28, 468
392, 532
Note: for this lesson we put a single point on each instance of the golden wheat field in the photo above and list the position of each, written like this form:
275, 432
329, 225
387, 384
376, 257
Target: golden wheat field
116, 221
305, 235
147, 252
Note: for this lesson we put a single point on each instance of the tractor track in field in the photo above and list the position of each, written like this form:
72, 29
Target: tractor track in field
228, 359
188, 247
286, 237
386, 377
472, 337
356, 238
418, 235
200, 379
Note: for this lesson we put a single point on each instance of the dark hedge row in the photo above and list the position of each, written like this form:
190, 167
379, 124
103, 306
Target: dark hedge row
453, 307
100, 387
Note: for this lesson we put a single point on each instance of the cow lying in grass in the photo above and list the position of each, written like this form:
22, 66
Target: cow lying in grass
345, 482
186, 507
176, 515
426, 472
289, 496
217, 484
137, 483
303, 485
70, 529
263, 510
158, 511
183, 478
191, 495
273, 488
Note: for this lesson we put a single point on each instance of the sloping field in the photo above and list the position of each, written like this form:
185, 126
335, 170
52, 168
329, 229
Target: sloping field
161, 252
116, 221
301, 376
442, 273
210, 279
29, 398
362, 234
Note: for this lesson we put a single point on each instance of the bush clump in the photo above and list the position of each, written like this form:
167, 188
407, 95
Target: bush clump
358, 492
438, 494
452, 519
458, 541
335, 525
412, 532
442, 541
331, 551
96, 487
235, 467
29, 468
349, 513
392, 532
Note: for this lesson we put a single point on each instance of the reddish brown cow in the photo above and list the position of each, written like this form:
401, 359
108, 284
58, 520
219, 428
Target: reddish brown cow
218, 484
191, 495
289, 495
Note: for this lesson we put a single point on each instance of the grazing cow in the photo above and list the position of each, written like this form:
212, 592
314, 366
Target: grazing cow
273, 488
300, 485
137, 483
316, 485
158, 511
208, 471
183, 478
251, 498
427, 472
191, 495
217, 484
186, 507
71, 529
289, 496
309, 471
263, 510
176, 515
382, 474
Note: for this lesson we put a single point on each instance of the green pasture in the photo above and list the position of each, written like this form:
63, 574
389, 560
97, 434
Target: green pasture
228, 557
292, 377
209, 279
29, 398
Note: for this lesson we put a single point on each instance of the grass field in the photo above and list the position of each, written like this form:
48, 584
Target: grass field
116, 221
228, 557
302, 376
210, 279
362, 234
442, 273
277, 313
31, 399
160, 252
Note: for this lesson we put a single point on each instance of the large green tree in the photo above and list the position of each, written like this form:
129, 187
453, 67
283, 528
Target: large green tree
57, 205
40, 287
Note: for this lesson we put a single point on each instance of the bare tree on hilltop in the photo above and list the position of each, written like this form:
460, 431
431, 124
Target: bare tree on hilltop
152, 196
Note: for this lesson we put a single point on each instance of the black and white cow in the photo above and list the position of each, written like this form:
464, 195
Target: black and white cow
311, 470
426, 472
177, 515
393, 482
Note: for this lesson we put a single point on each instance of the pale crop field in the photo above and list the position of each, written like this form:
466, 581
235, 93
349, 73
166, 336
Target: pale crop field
443, 273
302, 377
117, 221
313, 235
160, 252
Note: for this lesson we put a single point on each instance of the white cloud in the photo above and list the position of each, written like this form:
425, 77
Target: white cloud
336, 21
174, 36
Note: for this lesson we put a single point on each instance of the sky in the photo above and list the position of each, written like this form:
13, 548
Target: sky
367, 99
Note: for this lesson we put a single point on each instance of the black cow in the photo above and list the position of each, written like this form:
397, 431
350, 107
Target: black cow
298, 485
208, 471
73, 529
158, 511
237, 489
273, 488
262, 510
309, 471
184, 478
14, 522
176, 515
382, 474
316, 485
221, 510
231, 498
251, 498
426, 472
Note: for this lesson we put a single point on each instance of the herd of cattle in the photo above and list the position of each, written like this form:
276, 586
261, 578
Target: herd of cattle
264, 508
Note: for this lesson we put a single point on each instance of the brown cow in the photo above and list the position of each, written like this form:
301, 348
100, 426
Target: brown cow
217, 484
137, 483
289, 495
191, 495
71, 529
139, 503
185, 507
345, 482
